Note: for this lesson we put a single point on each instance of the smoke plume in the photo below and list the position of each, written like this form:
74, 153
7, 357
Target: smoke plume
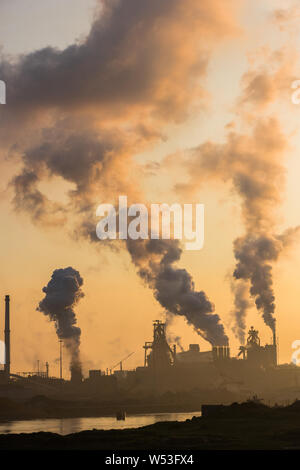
75, 114
172, 338
62, 293
174, 288
254, 255
241, 304
252, 165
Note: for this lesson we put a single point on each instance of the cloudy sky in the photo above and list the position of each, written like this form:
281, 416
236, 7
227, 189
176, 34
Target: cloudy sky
174, 101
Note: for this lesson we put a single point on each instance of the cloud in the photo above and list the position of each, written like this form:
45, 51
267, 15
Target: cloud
83, 112
140, 57
287, 18
268, 82
250, 163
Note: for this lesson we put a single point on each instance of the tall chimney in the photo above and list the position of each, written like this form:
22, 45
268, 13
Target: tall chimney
275, 346
7, 338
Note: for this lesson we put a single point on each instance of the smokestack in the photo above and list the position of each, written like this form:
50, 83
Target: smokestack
215, 353
7, 338
76, 375
274, 336
275, 345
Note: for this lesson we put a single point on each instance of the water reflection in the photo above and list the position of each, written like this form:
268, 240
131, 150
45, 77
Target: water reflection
72, 425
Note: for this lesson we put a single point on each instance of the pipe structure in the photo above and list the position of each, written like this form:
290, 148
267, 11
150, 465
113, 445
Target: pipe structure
7, 338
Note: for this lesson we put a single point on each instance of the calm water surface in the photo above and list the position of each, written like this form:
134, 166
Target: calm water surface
71, 425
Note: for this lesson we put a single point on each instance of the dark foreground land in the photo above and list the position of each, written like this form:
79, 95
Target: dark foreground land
246, 426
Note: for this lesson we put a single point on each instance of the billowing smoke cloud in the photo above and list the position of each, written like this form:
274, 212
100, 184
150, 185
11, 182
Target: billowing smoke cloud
171, 337
28, 198
177, 341
254, 255
62, 293
141, 62
174, 288
265, 83
241, 305
252, 164
83, 157
76, 114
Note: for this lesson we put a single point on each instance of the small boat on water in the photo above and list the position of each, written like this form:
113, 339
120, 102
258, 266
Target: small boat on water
121, 415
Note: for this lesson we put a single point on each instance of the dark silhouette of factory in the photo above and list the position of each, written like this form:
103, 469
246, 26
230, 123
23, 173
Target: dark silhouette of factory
253, 370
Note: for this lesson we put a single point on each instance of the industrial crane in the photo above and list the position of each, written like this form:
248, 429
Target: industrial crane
121, 362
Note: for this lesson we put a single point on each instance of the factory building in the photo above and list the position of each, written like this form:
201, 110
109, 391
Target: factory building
253, 370
194, 355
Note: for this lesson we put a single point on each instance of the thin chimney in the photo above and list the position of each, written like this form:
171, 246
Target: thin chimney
7, 338
275, 345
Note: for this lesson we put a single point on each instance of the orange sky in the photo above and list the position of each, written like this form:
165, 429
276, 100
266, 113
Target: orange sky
195, 71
